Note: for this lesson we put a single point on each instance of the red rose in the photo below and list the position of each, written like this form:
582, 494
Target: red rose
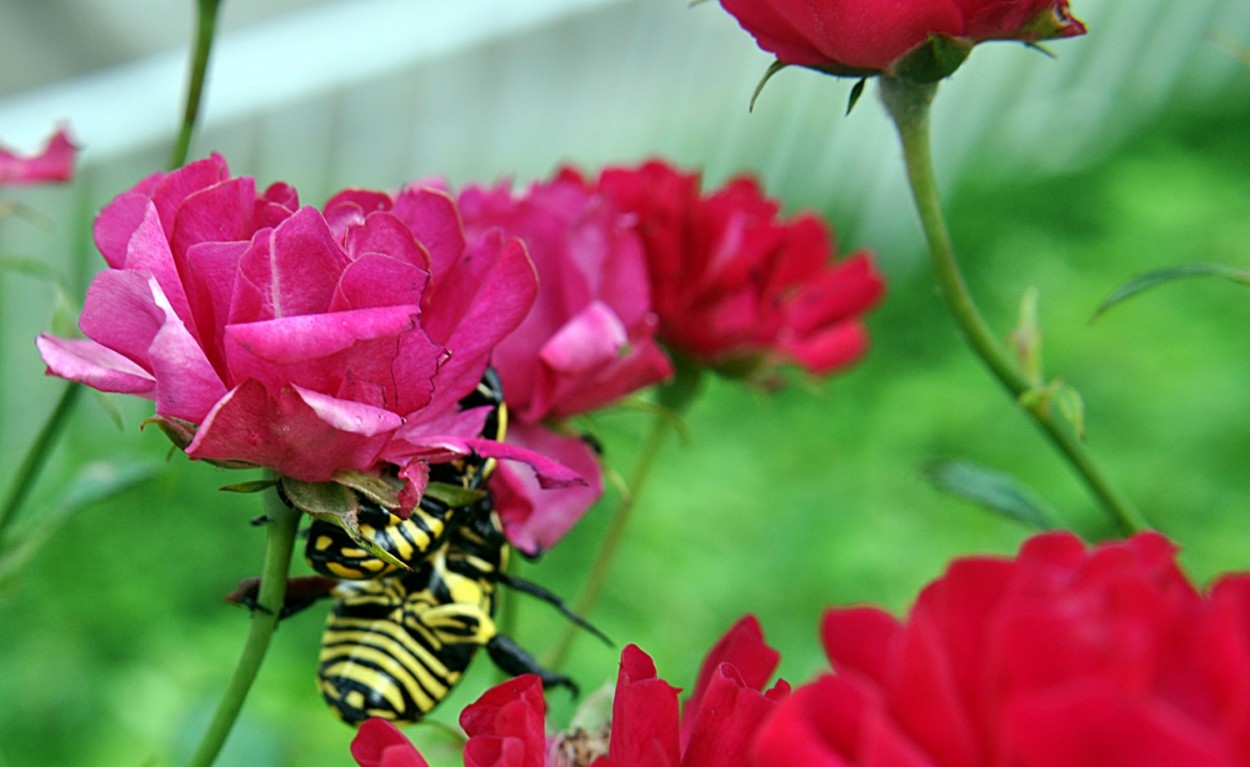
736, 287
1063, 657
866, 37
648, 729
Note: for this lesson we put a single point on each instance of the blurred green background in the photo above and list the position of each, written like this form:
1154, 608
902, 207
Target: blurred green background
116, 643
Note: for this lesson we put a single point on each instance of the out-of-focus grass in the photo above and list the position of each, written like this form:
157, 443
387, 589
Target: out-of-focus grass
114, 649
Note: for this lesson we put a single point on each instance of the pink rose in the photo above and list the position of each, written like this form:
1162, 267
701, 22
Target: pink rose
737, 288
588, 340
301, 341
54, 163
867, 37
1065, 656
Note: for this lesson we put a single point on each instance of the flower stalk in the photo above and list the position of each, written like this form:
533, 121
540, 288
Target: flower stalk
282, 522
37, 455
908, 104
205, 29
616, 533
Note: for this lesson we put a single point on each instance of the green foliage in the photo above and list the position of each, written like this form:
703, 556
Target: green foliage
994, 491
1169, 274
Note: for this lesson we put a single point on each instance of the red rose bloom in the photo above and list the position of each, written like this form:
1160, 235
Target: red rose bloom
1062, 657
736, 287
648, 729
866, 37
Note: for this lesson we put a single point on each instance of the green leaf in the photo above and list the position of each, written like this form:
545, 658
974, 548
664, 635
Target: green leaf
320, 498
1026, 337
857, 90
254, 486
773, 69
97, 481
1168, 274
992, 490
452, 495
337, 504
377, 489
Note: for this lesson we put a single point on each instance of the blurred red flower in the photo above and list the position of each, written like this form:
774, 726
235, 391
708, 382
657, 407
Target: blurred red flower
648, 729
736, 287
866, 37
54, 163
1065, 656
304, 342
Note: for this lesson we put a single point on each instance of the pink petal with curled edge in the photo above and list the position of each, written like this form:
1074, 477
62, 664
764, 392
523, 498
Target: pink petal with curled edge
591, 338
742, 647
187, 386
550, 473
501, 301
116, 223
54, 163
288, 271
645, 364
209, 274
416, 475
223, 212
378, 743
175, 186
379, 280
352, 352
435, 438
94, 365
297, 433
534, 519
148, 251
120, 312
383, 233
432, 216
128, 312
644, 715
350, 207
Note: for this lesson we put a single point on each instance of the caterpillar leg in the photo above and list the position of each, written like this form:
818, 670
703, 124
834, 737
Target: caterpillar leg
301, 592
511, 658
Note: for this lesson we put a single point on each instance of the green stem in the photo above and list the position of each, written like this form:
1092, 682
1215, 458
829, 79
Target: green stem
32, 463
206, 27
908, 104
616, 532
283, 521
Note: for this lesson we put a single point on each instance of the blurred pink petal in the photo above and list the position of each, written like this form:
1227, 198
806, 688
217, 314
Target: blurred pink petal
55, 162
